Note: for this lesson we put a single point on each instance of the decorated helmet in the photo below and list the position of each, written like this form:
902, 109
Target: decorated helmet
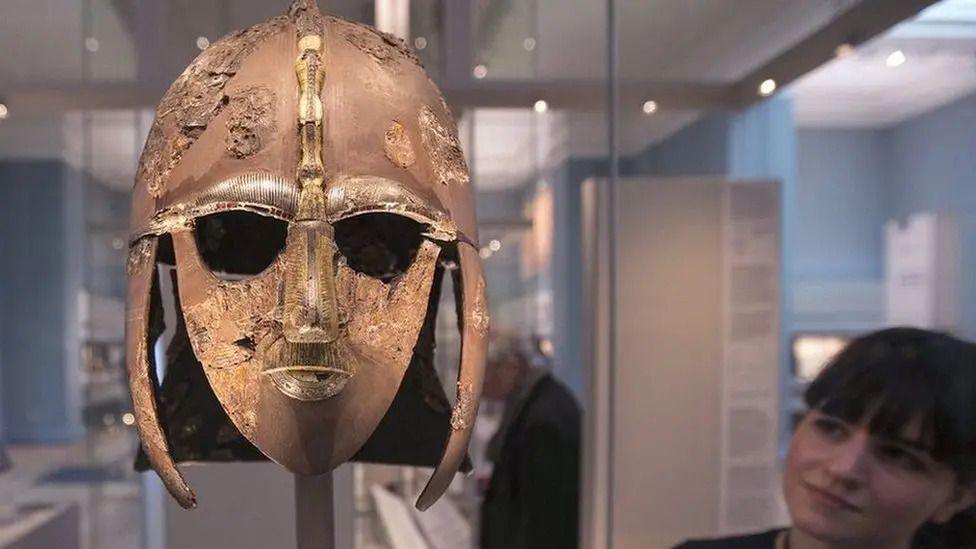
306, 179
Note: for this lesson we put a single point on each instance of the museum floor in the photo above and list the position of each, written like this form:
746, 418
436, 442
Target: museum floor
95, 474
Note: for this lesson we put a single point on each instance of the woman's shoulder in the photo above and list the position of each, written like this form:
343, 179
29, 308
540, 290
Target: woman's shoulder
763, 540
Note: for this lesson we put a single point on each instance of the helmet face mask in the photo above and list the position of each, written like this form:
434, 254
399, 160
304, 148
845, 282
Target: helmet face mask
311, 182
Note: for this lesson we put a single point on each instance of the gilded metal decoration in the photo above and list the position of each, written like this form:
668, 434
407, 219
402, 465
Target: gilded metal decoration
398, 147
384, 48
140, 256
478, 317
465, 408
307, 257
443, 148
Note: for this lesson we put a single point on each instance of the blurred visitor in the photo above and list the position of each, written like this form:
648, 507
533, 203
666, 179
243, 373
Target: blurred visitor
885, 457
532, 499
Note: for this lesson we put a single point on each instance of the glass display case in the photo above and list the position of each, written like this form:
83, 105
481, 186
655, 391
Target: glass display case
682, 206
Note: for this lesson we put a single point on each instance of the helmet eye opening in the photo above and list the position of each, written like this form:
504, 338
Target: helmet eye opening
237, 244
378, 245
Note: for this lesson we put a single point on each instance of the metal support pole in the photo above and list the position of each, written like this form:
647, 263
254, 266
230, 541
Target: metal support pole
613, 105
314, 513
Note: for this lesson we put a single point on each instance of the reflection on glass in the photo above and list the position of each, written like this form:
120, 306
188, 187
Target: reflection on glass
812, 352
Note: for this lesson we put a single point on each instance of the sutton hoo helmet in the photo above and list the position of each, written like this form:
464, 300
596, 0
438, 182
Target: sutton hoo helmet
306, 176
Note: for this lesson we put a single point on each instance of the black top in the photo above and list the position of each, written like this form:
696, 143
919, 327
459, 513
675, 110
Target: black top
532, 500
765, 540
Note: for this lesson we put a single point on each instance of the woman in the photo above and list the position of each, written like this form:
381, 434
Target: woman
886, 455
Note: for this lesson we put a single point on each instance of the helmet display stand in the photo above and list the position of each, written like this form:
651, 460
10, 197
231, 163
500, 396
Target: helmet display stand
314, 516
304, 180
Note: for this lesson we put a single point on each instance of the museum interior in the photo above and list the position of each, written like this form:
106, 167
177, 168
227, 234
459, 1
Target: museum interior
684, 210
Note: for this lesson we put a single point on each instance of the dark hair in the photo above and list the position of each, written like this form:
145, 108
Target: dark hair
896, 375
902, 373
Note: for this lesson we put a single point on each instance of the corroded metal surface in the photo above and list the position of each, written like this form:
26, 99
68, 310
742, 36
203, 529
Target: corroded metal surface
476, 316
443, 148
252, 116
194, 100
141, 255
235, 330
141, 269
465, 409
471, 374
398, 147
306, 16
313, 120
384, 48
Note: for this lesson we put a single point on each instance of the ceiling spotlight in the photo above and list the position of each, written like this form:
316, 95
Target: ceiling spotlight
650, 107
480, 72
767, 87
485, 253
203, 42
420, 42
129, 418
896, 59
91, 44
4, 111
528, 44
495, 245
541, 106
844, 50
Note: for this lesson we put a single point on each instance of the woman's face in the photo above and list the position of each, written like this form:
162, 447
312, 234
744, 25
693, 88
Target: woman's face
844, 484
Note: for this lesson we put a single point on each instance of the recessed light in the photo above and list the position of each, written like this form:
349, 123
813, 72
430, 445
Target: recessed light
541, 106
480, 72
203, 42
896, 59
649, 107
767, 87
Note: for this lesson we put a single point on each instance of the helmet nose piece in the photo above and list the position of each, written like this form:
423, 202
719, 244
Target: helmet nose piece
310, 309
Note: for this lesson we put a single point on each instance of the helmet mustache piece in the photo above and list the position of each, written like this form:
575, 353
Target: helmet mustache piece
306, 179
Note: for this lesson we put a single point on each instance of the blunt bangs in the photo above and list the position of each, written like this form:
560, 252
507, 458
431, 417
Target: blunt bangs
890, 378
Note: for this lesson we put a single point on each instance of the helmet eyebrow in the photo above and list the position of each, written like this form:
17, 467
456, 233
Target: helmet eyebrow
350, 196
264, 190
262, 193
274, 196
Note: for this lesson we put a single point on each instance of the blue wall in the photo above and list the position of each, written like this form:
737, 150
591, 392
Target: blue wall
758, 143
841, 205
932, 167
567, 268
839, 188
36, 304
701, 148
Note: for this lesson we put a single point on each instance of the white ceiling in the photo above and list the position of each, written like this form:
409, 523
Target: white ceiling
715, 41
683, 40
44, 40
664, 40
861, 91
690, 41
